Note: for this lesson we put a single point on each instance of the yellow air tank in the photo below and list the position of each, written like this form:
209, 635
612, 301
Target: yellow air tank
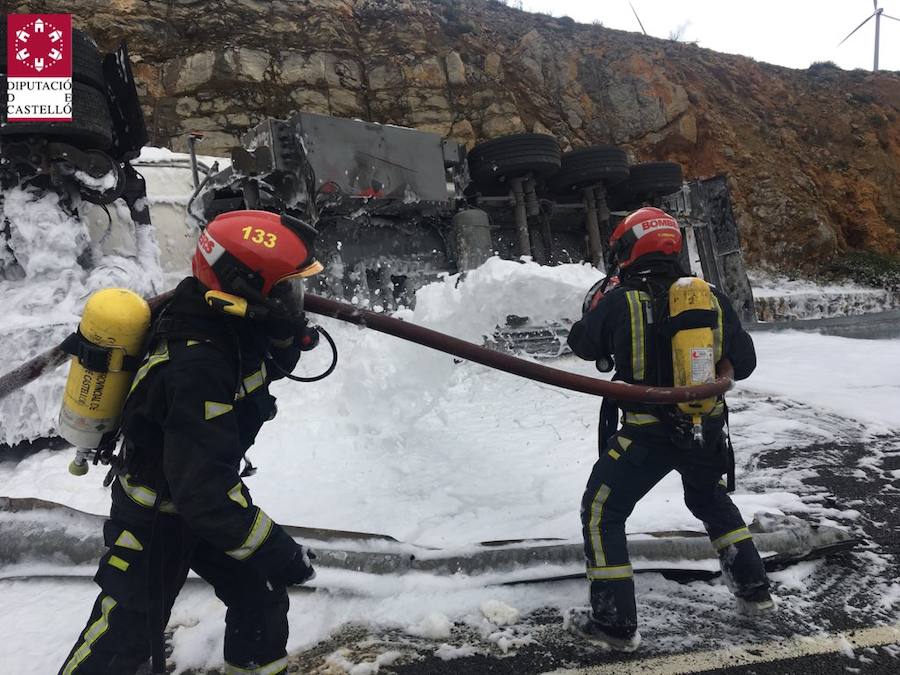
693, 359
114, 324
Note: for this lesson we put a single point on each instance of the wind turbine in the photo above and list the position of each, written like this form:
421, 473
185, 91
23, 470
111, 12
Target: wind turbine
878, 13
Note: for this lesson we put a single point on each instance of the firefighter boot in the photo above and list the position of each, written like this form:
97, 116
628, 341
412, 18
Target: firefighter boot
759, 601
581, 622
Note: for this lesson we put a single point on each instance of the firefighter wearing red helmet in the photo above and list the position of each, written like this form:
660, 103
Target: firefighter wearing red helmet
630, 327
179, 502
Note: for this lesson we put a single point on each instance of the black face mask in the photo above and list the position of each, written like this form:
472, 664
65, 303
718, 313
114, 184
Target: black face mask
288, 296
612, 262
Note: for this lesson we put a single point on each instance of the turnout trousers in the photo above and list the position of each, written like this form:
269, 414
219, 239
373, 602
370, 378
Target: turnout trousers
636, 459
118, 636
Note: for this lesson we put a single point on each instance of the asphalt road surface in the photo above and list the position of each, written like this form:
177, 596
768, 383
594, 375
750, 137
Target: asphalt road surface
834, 615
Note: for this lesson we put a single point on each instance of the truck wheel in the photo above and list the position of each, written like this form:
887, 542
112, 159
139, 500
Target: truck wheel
87, 63
494, 161
90, 128
655, 179
593, 165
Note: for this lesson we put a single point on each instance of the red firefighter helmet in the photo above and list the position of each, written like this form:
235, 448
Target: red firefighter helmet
243, 251
647, 230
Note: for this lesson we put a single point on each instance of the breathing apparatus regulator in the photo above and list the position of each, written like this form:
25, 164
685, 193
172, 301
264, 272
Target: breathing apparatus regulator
253, 262
270, 309
691, 315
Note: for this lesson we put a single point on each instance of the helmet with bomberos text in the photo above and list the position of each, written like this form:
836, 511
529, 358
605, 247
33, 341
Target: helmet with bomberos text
646, 231
243, 252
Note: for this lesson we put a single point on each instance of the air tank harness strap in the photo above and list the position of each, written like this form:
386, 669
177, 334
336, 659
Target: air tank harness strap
609, 423
692, 318
729, 449
96, 358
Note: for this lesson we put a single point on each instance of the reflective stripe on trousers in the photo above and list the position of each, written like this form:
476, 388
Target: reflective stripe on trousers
273, 668
731, 538
610, 572
594, 533
91, 634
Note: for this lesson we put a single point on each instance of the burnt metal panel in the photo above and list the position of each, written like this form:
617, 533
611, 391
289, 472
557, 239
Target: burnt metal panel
715, 202
706, 206
374, 161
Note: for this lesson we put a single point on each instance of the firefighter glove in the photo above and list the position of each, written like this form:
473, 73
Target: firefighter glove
298, 570
287, 332
605, 364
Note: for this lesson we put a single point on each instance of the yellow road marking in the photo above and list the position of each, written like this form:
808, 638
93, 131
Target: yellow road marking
745, 655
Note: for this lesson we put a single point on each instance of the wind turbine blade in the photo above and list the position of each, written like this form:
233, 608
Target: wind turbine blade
888, 16
875, 2
639, 18
857, 28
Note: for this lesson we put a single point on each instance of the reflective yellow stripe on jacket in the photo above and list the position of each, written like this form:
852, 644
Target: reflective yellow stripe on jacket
159, 355
635, 300
639, 419
259, 531
144, 496
251, 382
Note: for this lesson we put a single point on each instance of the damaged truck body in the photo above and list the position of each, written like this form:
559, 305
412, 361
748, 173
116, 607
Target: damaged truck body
397, 206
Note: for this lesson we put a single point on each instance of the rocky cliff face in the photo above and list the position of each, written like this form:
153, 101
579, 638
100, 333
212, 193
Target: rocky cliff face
813, 155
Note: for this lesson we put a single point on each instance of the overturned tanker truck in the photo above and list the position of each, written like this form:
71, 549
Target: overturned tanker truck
395, 208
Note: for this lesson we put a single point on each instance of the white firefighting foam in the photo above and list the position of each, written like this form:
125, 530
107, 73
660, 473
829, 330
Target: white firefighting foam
409, 442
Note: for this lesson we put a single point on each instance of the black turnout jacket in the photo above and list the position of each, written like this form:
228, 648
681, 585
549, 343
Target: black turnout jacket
197, 402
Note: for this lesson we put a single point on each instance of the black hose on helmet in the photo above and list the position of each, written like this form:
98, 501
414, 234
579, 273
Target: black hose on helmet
315, 378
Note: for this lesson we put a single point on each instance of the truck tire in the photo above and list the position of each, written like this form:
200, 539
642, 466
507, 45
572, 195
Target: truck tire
593, 165
87, 63
512, 156
655, 179
90, 128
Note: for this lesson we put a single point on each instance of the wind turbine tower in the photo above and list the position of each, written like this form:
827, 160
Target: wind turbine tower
877, 14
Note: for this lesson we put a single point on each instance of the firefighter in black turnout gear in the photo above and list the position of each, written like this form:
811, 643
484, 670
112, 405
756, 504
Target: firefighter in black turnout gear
179, 502
630, 326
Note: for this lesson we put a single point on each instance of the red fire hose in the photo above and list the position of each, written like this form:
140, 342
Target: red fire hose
620, 391
510, 364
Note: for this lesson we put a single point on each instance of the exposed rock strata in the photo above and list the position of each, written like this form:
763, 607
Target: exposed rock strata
812, 154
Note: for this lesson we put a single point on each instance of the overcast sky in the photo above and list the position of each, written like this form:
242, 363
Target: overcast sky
793, 33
